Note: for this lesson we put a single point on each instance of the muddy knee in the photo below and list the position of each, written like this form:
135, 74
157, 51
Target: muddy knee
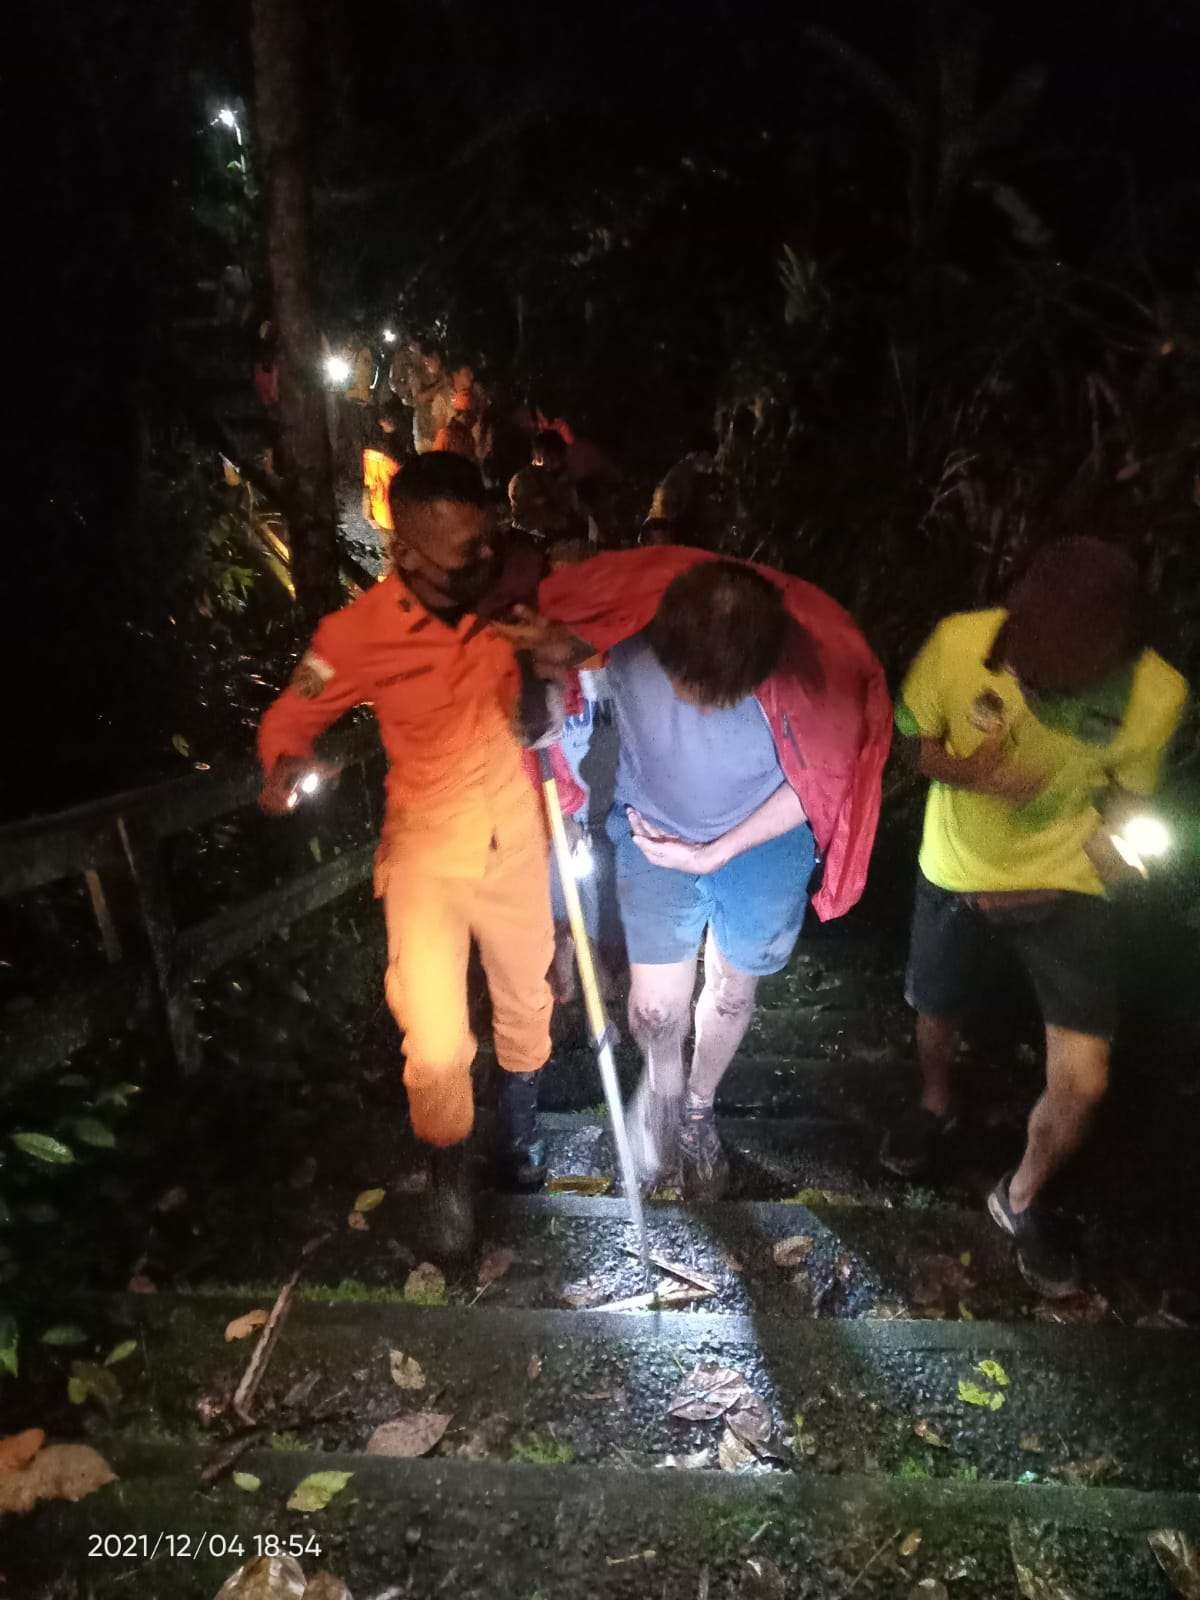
655, 1021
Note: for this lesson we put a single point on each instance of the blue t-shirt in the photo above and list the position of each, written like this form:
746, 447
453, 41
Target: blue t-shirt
693, 774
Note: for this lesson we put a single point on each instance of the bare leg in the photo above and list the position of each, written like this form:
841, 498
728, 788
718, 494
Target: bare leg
937, 1046
660, 1003
723, 1014
1076, 1079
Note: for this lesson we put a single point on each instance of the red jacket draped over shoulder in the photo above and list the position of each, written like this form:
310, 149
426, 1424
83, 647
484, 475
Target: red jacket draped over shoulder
827, 705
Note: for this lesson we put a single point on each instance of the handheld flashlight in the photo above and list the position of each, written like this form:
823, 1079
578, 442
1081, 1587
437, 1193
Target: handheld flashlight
582, 861
1141, 839
337, 369
308, 784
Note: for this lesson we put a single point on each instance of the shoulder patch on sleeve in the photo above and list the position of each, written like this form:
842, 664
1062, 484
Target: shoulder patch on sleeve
311, 676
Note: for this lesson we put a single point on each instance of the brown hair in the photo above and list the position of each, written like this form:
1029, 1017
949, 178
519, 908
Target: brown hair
719, 631
1075, 616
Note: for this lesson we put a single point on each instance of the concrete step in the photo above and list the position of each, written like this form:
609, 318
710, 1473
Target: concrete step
1075, 1405
476, 1530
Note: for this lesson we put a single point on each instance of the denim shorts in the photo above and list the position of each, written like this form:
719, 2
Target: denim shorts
1068, 948
755, 904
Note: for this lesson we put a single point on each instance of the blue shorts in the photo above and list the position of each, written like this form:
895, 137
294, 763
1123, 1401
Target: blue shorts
755, 904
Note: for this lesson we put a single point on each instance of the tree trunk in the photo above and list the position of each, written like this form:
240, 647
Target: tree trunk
279, 38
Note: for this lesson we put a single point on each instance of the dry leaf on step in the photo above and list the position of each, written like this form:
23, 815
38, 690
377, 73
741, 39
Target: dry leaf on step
243, 1327
413, 1435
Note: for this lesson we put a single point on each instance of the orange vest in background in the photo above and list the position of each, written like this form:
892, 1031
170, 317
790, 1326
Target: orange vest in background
378, 471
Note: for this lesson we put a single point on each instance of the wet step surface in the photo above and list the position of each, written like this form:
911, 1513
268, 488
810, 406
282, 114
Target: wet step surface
473, 1529
906, 1400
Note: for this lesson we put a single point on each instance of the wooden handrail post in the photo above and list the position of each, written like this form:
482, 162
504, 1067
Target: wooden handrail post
143, 852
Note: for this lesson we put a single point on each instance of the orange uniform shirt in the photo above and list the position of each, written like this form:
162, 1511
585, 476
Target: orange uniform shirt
444, 698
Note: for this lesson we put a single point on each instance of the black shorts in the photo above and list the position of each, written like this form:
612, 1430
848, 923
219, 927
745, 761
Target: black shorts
1068, 948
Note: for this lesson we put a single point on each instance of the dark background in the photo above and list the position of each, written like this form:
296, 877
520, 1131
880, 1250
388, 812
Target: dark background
932, 392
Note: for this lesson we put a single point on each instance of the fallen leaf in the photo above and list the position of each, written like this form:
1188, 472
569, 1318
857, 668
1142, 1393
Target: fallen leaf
822, 1197
407, 1372
1032, 1442
247, 1482
141, 1284
19, 1449
994, 1371
793, 1251
926, 1434
734, 1454
120, 1352
243, 1327
578, 1295
965, 1314
410, 1436
709, 1391
976, 1395
324, 1586
910, 1544
64, 1333
265, 1578
1086, 1471
638, 1555
489, 1438
1179, 1559
425, 1286
10, 1338
357, 1222
494, 1265
90, 1381
316, 1491
1039, 1576
535, 1367
57, 1472
369, 1199
762, 1580
173, 1200
578, 1185
694, 1461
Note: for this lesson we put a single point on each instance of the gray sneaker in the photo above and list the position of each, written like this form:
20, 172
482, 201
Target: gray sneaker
702, 1156
653, 1121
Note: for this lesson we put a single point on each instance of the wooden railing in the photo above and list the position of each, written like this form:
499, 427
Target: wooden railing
116, 846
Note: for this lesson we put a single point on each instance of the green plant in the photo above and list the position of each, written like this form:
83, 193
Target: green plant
539, 1452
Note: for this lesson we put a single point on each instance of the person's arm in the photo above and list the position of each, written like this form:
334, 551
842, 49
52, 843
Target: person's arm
318, 694
554, 649
778, 814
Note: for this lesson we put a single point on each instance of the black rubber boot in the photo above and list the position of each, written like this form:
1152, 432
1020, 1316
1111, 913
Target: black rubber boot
520, 1152
449, 1232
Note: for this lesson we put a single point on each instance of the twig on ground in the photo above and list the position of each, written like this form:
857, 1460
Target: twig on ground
263, 1350
874, 1559
647, 1302
229, 1454
684, 1274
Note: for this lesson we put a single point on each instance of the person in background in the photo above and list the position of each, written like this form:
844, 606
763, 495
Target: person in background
753, 724
432, 399
691, 504
382, 458
470, 405
545, 505
454, 435
592, 473
463, 851
1040, 726
357, 400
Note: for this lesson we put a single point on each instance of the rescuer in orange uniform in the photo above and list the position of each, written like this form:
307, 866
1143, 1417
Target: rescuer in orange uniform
463, 852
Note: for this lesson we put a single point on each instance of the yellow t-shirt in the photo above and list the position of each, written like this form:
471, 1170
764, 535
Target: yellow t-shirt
974, 842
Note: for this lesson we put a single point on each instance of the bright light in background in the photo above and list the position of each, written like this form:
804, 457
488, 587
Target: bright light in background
337, 369
310, 783
388, 336
227, 118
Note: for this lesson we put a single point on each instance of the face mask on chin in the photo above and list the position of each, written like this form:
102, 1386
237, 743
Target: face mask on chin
468, 584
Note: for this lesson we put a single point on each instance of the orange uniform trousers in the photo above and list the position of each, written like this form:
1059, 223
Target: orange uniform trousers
431, 921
